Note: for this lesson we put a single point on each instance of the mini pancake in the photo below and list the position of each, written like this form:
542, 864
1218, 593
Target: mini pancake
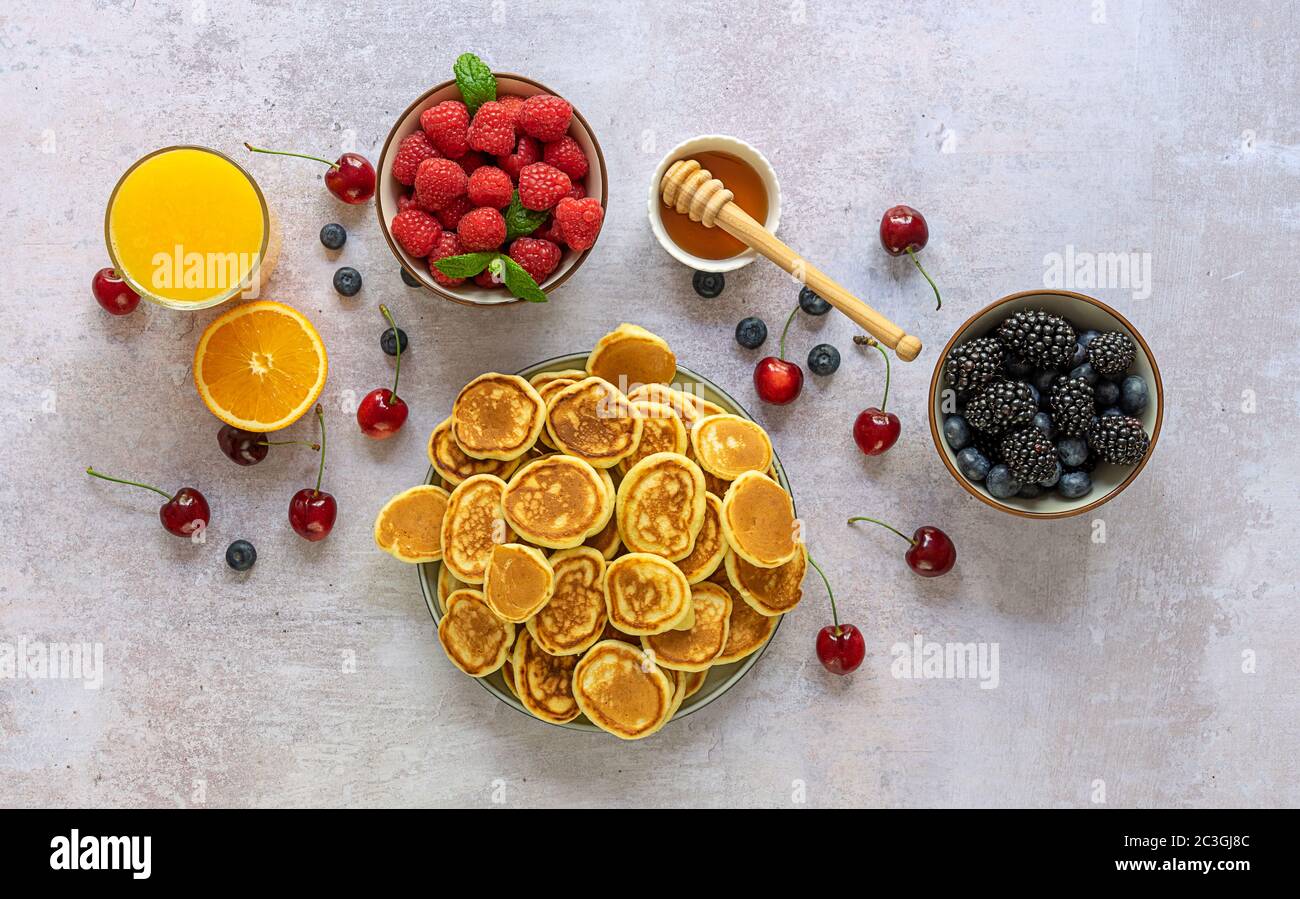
575, 617
607, 542
448, 584
409, 526
747, 631
472, 526
508, 676
630, 355
612, 633
622, 691
661, 506
678, 679
476, 640
543, 682
518, 581
541, 379
453, 466
695, 649
710, 545
547, 390
758, 520
727, 446
497, 416
769, 591
688, 405
646, 594
694, 680
662, 432
593, 420
557, 502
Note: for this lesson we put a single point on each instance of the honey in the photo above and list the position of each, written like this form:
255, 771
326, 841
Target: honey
749, 194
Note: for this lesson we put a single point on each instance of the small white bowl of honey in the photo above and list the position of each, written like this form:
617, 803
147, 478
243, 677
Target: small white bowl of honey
750, 178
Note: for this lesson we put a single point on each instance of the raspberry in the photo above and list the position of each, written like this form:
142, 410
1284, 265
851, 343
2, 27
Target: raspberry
485, 279
414, 149
438, 182
450, 214
447, 245
545, 117
567, 156
577, 193
579, 221
512, 104
550, 230
406, 201
525, 152
481, 229
493, 129
537, 257
415, 231
472, 162
447, 126
489, 186
541, 186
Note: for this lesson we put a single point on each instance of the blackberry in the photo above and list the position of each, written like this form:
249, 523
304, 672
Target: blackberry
1001, 405
1030, 455
1040, 337
970, 367
1111, 353
988, 446
1118, 438
1072, 406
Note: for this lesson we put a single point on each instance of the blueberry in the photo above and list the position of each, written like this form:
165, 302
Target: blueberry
409, 279
1106, 393
823, 359
811, 303
751, 332
390, 344
1133, 394
1043, 380
1030, 491
240, 555
1074, 484
1043, 422
708, 284
1080, 355
347, 281
957, 432
1056, 476
1085, 337
1019, 368
333, 236
1001, 484
973, 464
1072, 450
1087, 372
1112, 410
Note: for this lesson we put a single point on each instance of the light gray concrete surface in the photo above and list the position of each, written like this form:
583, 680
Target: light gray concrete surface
1156, 668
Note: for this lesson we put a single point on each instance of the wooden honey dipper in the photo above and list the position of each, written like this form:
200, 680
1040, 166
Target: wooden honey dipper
692, 190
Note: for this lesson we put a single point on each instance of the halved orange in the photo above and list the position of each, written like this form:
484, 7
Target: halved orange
260, 366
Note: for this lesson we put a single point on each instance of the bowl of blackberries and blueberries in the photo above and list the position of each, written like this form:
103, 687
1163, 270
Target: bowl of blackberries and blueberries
1046, 404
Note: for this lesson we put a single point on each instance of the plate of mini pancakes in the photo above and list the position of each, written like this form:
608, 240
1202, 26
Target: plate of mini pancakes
606, 541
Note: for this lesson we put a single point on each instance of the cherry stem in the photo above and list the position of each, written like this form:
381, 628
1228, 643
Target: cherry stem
332, 165
883, 525
392, 394
938, 300
320, 472
786, 330
94, 474
835, 616
871, 341
315, 446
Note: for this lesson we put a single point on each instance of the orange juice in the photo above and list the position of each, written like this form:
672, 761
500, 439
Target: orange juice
188, 228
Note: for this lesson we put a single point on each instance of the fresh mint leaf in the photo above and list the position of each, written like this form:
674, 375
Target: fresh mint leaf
476, 82
521, 220
520, 283
465, 266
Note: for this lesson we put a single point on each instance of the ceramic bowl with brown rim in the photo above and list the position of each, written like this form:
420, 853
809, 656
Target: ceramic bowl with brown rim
1084, 313
390, 190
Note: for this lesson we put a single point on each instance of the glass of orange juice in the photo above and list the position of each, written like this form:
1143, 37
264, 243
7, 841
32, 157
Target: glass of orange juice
188, 228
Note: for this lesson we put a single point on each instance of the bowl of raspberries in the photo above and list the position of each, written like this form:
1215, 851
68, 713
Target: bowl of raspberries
492, 188
1046, 404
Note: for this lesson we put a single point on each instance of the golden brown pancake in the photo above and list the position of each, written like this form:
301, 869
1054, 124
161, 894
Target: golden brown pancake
409, 526
607, 542
695, 649
747, 631
710, 545
556, 501
541, 379
728, 446
694, 680
547, 390
769, 591
646, 594
448, 584
575, 617
678, 679
622, 691
497, 416
758, 520
508, 675
662, 432
543, 682
474, 523
453, 466
612, 633
630, 355
476, 640
688, 404
518, 581
593, 421
661, 506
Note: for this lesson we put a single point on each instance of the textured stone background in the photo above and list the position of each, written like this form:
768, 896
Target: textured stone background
1153, 127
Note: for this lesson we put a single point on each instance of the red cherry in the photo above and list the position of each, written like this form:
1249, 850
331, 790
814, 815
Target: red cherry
840, 648
351, 177
903, 230
931, 552
250, 447
311, 510
185, 512
777, 380
875, 430
382, 412
113, 293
